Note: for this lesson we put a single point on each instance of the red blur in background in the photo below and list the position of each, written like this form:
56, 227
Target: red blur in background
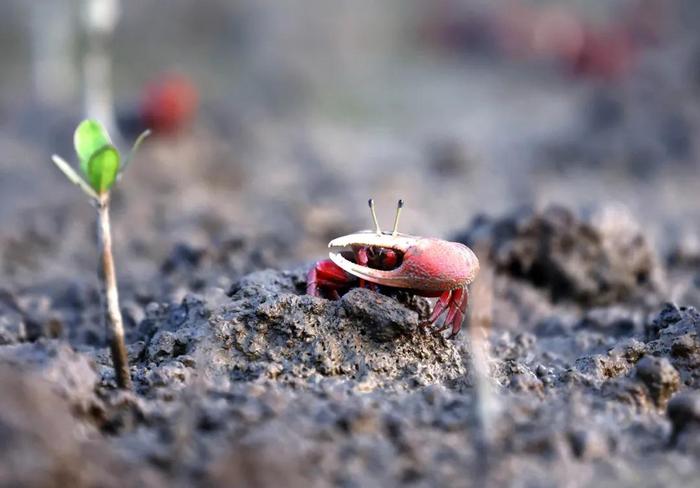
169, 104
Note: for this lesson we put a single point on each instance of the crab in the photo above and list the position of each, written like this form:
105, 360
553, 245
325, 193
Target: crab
423, 266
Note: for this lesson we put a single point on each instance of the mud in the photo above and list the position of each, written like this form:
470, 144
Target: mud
586, 305
260, 382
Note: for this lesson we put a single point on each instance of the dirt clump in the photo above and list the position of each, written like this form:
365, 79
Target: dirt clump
660, 377
673, 334
684, 414
43, 445
601, 260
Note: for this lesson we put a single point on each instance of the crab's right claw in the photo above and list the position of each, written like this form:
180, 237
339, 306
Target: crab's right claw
425, 264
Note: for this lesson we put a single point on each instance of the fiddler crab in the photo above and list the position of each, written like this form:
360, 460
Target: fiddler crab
424, 266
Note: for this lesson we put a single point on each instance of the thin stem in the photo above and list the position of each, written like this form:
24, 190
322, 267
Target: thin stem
110, 296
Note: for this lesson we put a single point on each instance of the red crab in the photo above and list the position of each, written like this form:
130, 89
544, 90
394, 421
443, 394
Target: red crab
168, 105
422, 265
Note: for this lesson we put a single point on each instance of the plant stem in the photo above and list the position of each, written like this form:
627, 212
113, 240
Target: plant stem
110, 296
100, 18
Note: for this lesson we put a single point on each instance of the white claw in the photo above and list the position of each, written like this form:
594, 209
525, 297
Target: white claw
399, 242
387, 278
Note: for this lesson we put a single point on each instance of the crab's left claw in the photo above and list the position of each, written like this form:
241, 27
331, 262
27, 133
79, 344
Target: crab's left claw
425, 264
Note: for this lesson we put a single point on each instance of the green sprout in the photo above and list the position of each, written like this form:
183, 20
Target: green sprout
100, 163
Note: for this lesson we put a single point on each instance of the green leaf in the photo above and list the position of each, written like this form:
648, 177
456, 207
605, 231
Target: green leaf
102, 168
89, 138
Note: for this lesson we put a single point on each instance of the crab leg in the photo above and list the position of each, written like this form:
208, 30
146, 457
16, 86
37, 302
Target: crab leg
454, 306
440, 306
457, 308
326, 274
460, 300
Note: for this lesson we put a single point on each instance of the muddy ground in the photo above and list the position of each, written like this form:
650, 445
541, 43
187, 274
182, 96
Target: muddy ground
592, 377
579, 198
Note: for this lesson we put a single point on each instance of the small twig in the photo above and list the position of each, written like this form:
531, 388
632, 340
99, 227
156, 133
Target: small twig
110, 296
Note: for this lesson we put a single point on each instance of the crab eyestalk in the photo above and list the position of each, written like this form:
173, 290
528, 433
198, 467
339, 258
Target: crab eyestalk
399, 206
377, 229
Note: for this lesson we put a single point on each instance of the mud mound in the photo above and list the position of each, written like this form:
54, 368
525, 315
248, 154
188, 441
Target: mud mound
596, 261
270, 331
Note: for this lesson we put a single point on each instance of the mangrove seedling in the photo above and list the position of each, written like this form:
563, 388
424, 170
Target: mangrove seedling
101, 164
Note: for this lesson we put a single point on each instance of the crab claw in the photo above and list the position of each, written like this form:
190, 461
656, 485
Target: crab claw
425, 264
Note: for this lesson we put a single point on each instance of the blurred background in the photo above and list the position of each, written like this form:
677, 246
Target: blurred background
274, 122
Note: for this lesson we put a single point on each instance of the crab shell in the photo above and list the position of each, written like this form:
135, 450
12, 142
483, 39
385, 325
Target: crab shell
428, 264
